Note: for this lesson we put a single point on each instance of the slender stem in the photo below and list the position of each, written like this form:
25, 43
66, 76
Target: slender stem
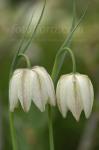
11, 116
12, 130
58, 63
13, 65
26, 59
57, 67
51, 140
15, 59
72, 57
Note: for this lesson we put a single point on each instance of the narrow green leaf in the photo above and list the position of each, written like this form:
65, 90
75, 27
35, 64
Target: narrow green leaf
20, 46
26, 32
40, 18
74, 15
15, 59
69, 37
59, 62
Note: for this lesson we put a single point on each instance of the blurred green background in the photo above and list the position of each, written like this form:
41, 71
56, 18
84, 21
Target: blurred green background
31, 128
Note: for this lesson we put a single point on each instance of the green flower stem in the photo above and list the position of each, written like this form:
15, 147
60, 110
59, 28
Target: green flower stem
59, 62
49, 108
26, 59
12, 130
15, 59
14, 64
51, 140
72, 57
57, 67
11, 115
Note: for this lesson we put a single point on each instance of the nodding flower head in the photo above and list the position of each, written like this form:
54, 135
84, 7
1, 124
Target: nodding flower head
75, 93
31, 84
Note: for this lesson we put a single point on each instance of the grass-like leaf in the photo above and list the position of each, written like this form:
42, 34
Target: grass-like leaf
29, 42
15, 59
59, 60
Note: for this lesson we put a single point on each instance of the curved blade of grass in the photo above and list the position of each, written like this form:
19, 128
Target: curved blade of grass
25, 32
74, 15
69, 37
22, 41
54, 77
29, 42
15, 59
14, 62
59, 60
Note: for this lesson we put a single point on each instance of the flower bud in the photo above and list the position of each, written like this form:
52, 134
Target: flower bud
31, 84
75, 93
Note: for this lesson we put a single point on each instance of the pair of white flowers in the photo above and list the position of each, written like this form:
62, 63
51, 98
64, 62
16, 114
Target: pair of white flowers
74, 92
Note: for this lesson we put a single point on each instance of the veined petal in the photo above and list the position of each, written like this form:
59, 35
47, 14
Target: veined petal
73, 98
39, 96
13, 90
87, 93
48, 85
25, 89
61, 96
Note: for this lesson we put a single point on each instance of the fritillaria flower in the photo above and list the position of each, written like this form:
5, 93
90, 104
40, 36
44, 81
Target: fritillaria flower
75, 93
31, 84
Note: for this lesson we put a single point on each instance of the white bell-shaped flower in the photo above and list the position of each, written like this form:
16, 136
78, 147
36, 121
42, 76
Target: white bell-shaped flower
44, 88
75, 93
31, 84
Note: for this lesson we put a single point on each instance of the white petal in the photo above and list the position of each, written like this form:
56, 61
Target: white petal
87, 94
47, 85
38, 95
72, 95
61, 97
13, 91
25, 89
